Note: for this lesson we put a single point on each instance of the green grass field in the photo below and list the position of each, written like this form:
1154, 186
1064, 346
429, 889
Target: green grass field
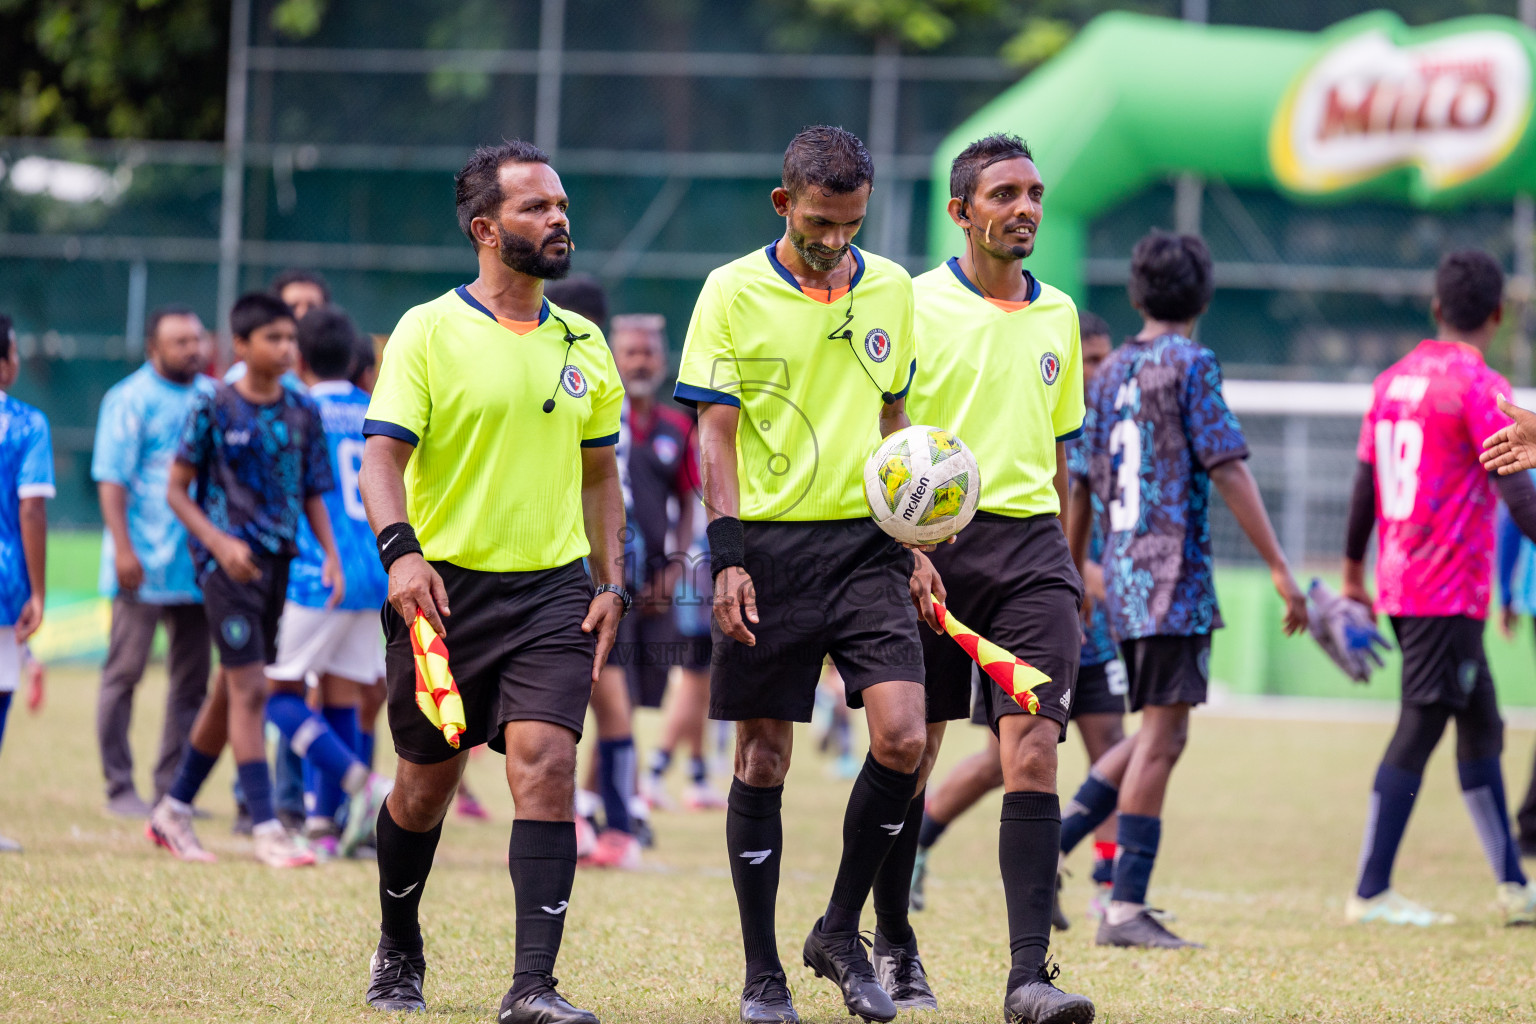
1261, 837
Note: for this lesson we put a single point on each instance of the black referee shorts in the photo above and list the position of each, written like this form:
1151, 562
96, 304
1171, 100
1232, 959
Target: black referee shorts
839, 588
1012, 581
516, 650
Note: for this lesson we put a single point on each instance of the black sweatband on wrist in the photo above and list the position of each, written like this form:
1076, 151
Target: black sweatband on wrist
727, 545
395, 541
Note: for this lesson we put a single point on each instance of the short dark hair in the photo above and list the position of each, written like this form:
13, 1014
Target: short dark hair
159, 313
1171, 276
477, 187
364, 358
254, 310
581, 294
328, 342
1470, 286
7, 328
981, 154
1091, 325
829, 158
296, 275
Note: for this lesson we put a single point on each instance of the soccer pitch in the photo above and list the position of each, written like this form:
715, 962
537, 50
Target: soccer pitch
1261, 837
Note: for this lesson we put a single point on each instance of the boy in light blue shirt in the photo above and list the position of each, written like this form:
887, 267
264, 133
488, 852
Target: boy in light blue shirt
146, 565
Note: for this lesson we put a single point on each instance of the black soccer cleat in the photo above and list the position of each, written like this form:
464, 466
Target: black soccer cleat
539, 1003
840, 956
394, 981
1041, 1002
766, 1000
1144, 931
1059, 919
900, 972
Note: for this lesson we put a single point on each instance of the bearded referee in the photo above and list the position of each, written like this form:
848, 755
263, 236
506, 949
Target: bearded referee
489, 474
799, 357
1003, 370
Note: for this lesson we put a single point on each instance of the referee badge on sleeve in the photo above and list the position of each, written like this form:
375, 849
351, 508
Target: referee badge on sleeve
878, 344
573, 380
1050, 367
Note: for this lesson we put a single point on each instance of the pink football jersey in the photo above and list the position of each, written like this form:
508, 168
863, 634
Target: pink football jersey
1434, 501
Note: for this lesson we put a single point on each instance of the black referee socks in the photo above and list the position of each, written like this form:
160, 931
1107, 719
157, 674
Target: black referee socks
893, 882
541, 858
754, 838
405, 858
1027, 844
878, 809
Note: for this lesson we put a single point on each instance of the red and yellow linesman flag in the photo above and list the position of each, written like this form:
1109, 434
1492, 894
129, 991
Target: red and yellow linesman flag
436, 693
1017, 677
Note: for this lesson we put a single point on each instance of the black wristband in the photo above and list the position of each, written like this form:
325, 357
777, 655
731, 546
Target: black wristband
727, 545
397, 540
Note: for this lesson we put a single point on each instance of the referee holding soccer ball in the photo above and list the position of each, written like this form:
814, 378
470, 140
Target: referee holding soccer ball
799, 357
489, 474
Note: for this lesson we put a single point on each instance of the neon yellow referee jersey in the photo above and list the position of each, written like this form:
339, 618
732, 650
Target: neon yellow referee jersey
807, 374
495, 482
1005, 377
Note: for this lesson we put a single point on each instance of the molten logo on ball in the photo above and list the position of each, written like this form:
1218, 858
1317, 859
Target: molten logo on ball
922, 485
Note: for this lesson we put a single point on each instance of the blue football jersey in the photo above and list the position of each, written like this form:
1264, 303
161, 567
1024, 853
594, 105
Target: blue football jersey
1157, 425
343, 406
1098, 642
26, 471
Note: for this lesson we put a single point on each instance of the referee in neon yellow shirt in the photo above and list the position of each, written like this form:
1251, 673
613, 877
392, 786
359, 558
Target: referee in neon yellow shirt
1003, 370
799, 357
489, 474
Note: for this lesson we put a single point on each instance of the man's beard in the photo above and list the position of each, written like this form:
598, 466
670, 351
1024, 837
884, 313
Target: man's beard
521, 255
819, 262
642, 387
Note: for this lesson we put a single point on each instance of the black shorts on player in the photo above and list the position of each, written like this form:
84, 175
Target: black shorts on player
1101, 689
243, 617
647, 648
1443, 659
1167, 670
838, 588
516, 650
1011, 580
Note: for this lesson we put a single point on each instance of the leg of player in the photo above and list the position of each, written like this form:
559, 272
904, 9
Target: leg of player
1128, 921
1479, 744
1028, 840
967, 782
1101, 733
754, 841
247, 727
188, 662
410, 824
617, 846
323, 790
128, 645
541, 858
876, 815
170, 823
310, 735
1398, 777
1526, 817
370, 703
898, 967
684, 727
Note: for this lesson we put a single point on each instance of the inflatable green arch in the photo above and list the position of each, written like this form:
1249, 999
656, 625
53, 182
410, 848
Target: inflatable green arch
1432, 116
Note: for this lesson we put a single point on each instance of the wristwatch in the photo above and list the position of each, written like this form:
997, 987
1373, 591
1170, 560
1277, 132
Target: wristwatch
614, 588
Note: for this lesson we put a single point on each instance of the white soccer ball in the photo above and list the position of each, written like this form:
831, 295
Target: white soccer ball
922, 485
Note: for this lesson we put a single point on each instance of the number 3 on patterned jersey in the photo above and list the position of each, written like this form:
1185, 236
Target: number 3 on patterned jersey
1125, 506
1399, 447
349, 455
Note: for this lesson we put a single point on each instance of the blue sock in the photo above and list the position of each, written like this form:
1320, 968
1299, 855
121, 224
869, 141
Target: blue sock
1482, 787
329, 795
191, 774
1139, 837
661, 760
1391, 803
288, 780
5, 711
1089, 808
929, 831
310, 735
257, 785
364, 747
698, 770
616, 779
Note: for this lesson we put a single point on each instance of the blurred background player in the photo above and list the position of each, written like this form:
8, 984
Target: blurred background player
146, 565
339, 645
302, 290
1001, 367
1159, 434
1420, 485
256, 451
1098, 707
26, 483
